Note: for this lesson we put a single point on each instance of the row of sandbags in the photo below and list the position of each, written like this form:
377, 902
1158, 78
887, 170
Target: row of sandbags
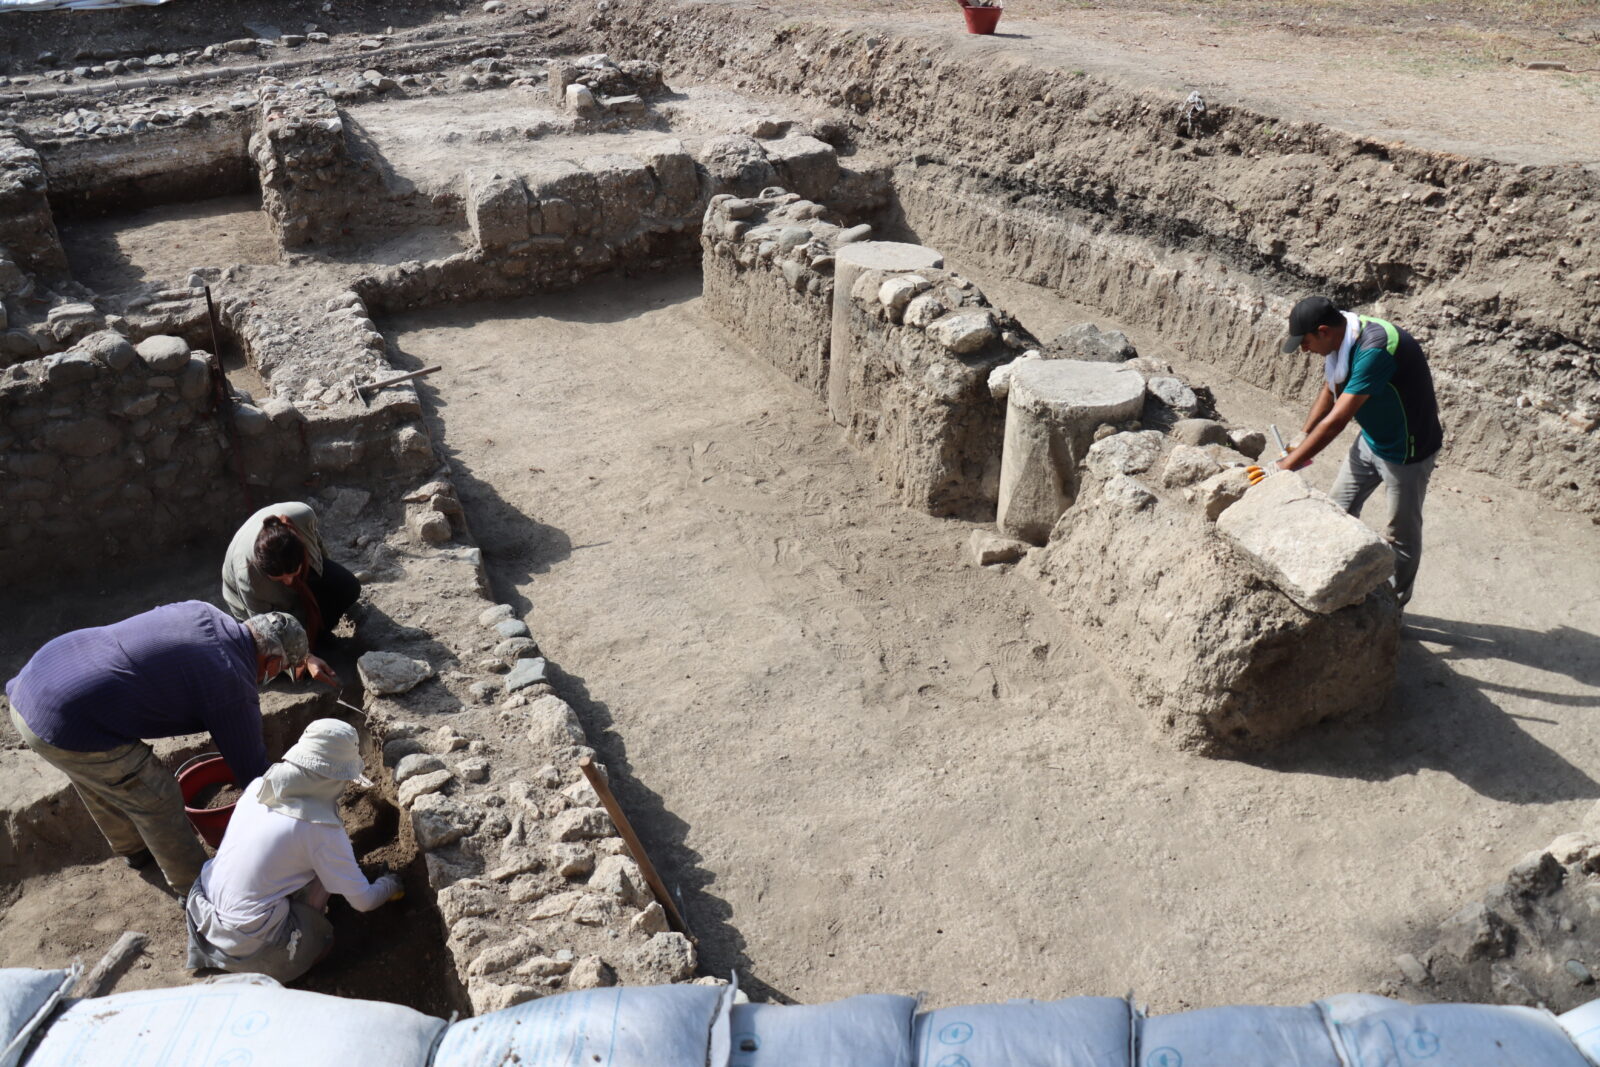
252, 1020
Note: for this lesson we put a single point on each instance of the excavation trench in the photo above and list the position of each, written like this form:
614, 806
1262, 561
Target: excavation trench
65, 900
867, 764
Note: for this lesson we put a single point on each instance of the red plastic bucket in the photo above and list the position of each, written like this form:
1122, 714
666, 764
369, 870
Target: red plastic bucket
981, 19
204, 770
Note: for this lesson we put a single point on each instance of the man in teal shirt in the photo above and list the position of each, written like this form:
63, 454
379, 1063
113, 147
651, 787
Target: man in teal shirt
1374, 373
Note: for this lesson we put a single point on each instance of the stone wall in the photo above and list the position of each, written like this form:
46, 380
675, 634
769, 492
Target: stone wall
28, 238
914, 396
108, 452
558, 222
535, 889
767, 267
312, 188
112, 451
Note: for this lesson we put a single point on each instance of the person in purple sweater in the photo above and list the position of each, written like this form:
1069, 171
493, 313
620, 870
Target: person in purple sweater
87, 700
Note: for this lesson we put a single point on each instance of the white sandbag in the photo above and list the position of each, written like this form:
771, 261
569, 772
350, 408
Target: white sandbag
1582, 1024
866, 1031
1077, 1032
1374, 1032
26, 997
622, 1026
235, 1024
1238, 1037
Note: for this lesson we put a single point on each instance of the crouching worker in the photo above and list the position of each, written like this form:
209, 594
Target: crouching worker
277, 562
87, 700
258, 905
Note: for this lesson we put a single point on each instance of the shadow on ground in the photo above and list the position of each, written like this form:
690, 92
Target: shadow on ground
1442, 719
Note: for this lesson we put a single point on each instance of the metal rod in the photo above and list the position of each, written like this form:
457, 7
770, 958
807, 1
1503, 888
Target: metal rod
658, 888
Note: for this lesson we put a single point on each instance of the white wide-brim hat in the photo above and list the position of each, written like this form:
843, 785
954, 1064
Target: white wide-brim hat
330, 748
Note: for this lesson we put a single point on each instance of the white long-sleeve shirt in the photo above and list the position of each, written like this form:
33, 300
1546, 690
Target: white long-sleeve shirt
267, 856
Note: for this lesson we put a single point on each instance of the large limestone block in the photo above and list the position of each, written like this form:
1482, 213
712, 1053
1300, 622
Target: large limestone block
1052, 410
1298, 539
805, 165
850, 262
497, 210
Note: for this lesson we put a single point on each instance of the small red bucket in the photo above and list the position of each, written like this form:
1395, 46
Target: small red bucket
981, 19
204, 770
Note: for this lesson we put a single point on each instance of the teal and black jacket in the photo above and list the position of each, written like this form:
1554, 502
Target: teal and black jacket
1400, 419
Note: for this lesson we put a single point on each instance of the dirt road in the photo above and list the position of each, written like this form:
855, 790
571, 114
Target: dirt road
874, 768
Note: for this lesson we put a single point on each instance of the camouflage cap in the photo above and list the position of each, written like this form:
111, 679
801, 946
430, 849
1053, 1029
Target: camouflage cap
280, 634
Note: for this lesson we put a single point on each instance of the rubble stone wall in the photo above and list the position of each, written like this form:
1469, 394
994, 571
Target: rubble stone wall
28, 237
561, 221
109, 450
916, 397
535, 889
767, 267
1220, 659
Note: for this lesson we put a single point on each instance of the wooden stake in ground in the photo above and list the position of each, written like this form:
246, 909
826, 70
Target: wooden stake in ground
109, 969
635, 849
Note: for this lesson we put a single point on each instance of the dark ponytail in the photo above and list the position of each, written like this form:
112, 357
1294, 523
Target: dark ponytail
278, 548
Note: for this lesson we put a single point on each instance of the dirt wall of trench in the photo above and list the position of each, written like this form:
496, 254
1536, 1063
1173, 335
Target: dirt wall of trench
1209, 225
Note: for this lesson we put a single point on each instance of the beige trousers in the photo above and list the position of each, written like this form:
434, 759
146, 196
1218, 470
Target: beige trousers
134, 801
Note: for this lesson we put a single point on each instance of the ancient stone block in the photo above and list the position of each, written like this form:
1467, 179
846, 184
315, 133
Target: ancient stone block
677, 180
1201, 432
624, 189
804, 165
1086, 341
111, 349
666, 957
68, 368
580, 824
164, 354
552, 724
986, 549
1123, 453
439, 820
737, 164
1298, 539
1222, 490
497, 209
388, 673
1186, 465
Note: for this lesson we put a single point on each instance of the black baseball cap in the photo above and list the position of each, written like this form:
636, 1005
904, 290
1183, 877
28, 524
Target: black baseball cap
1307, 315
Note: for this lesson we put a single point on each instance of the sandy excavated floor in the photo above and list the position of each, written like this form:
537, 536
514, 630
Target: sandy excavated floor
875, 768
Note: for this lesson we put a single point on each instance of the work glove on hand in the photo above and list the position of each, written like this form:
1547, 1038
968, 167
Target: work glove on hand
1255, 474
393, 890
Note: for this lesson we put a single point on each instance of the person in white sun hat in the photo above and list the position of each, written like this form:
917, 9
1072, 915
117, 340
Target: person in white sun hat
258, 905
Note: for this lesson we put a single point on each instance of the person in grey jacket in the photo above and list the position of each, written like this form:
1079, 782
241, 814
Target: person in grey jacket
277, 562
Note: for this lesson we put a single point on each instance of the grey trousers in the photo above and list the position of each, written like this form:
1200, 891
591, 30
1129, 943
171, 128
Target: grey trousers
1405, 485
134, 801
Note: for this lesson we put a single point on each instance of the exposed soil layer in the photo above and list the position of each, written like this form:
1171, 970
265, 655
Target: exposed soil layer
872, 767
217, 795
